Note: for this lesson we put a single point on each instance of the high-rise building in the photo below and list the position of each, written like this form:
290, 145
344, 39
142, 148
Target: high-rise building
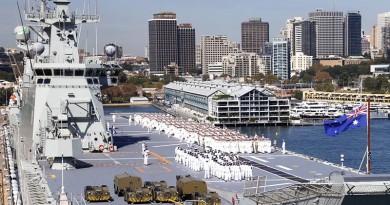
304, 38
353, 36
288, 32
373, 36
366, 45
281, 58
266, 58
254, 33
383, 21
330, 32
186, 47
386, 41
240, 65
198, 55
213, 48
163, 49
301, 62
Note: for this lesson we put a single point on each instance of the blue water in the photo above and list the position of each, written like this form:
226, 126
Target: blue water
311, 140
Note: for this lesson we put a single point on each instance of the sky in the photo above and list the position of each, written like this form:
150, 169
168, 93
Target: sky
125, 22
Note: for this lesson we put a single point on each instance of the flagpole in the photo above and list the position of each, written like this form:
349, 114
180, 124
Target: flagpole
368, 137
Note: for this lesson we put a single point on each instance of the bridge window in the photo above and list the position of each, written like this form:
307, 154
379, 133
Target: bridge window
71, 95
68, 72
79, 72
89, 72
39, 72
95, 81
89, 81
39, 81
47, 72
46, 81
58, 72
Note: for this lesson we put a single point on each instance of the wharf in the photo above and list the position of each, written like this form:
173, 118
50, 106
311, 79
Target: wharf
100, 168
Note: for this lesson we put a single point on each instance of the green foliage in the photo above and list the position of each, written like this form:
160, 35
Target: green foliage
379, 85
209, 118
221, 97
326, 87
195, 71
298, 95
122, 78
271, 79
205, 77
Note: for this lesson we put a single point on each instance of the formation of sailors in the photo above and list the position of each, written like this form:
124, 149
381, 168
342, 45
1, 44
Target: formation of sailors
225, 166
203, 134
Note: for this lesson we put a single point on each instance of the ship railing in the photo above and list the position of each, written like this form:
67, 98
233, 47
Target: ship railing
86, 17
44, 59
39, 15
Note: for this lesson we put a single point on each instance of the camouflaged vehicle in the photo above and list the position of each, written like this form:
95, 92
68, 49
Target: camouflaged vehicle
97, 193
187, 186
124, 181
162, 192
211, 198
138, 195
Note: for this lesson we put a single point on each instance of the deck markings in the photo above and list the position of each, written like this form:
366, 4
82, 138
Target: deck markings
257, 158
162, 159
282, 184
139, 169
167, 169
97, 153
283, 167
116, 162
275, 171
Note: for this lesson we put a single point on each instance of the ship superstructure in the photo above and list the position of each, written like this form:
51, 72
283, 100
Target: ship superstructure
59, 97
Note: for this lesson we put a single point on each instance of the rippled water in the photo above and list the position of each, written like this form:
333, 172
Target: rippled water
311, 140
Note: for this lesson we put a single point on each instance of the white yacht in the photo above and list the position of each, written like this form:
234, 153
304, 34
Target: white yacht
316, 109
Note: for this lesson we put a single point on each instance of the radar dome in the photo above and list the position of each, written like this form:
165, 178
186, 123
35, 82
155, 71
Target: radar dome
110, 50
37, 48
22, 33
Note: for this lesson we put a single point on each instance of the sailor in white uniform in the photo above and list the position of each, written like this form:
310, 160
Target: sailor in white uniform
146, 155
284, 147
143, 147
113, 117
130, 119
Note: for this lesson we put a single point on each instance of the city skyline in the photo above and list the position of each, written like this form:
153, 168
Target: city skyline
129, 26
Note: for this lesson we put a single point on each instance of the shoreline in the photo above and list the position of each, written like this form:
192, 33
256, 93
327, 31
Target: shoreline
126, 104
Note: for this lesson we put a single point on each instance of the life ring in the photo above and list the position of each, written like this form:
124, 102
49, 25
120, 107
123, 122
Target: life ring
101, 147
111, 148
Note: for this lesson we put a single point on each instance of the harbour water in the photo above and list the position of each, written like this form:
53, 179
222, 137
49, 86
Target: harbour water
311, 140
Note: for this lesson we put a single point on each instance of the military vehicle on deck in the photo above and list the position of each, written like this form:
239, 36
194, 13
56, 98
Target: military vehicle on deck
97, 193
138, 195
187, 186
211, 198
124, 181
162, 192
195, 190
191, 202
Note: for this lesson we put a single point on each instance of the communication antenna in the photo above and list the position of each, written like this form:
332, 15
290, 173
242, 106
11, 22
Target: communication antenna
24, 34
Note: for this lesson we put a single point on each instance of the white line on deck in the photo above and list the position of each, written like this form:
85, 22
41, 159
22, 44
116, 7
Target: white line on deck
116, 162
283, 167
276, 185
167, 145
262, 160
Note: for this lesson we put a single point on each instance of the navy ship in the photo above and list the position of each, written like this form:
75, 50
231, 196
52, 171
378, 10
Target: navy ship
58, 139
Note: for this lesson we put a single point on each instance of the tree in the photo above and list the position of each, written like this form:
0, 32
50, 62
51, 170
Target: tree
322, 77
205, 77
271, 79
122, 78
258, 77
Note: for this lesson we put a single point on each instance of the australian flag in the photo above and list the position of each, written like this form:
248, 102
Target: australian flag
353, 119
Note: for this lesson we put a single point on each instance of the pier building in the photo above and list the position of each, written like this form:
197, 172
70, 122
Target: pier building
230, 103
